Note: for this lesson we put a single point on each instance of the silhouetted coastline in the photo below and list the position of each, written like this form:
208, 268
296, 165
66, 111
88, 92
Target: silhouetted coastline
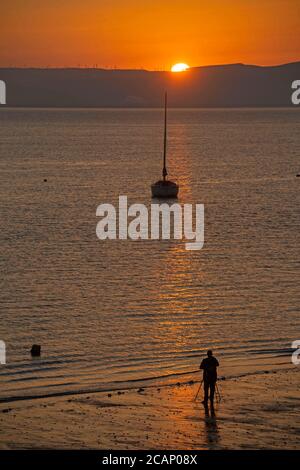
232, 85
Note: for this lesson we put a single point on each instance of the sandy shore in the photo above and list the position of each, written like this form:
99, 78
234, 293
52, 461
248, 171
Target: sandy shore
256, 412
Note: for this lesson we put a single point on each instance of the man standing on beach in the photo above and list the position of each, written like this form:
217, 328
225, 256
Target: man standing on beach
209, 366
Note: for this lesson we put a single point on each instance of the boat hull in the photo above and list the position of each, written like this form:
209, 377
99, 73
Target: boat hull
165, 190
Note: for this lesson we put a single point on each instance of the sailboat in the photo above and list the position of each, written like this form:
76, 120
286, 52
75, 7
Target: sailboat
165, 188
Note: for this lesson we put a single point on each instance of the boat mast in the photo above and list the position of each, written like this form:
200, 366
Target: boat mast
164, 172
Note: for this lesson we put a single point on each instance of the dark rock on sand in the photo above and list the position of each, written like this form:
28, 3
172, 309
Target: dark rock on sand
35, 350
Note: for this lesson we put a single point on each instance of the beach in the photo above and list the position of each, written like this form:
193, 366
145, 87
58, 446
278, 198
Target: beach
256, 411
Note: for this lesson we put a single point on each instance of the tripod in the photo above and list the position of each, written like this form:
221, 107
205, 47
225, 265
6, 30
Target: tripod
218, 394
198, 390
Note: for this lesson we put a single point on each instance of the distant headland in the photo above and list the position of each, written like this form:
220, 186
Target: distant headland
233, 85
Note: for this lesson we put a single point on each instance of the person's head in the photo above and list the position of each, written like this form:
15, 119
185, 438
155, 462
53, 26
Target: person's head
209, 353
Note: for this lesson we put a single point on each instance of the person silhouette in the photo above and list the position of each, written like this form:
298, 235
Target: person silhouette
209, 366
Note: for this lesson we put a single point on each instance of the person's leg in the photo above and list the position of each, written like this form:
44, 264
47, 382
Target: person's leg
206, 387
212, 387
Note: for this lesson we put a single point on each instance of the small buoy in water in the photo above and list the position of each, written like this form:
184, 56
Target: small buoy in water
35, 350
298, 175
45, 180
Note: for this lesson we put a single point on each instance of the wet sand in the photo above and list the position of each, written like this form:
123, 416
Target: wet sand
256, 412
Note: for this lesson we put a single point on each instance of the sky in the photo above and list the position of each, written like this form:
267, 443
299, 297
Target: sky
149, 34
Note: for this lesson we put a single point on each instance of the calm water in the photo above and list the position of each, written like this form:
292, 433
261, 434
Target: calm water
107, 313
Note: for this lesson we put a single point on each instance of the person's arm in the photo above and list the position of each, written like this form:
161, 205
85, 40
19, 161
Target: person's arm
217, 363
202, 365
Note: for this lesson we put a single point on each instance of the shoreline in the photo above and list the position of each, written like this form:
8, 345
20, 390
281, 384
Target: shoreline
142, 383
257, 411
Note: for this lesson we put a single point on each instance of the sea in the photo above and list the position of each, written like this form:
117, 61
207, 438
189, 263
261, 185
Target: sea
120, 314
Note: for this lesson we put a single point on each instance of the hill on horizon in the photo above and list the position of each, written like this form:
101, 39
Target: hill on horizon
232, 85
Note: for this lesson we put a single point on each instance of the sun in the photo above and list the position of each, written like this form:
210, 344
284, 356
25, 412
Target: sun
179, 67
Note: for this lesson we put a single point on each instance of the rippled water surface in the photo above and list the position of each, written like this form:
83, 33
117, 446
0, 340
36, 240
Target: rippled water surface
110, 312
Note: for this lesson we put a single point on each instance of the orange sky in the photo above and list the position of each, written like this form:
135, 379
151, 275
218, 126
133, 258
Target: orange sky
151, 34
